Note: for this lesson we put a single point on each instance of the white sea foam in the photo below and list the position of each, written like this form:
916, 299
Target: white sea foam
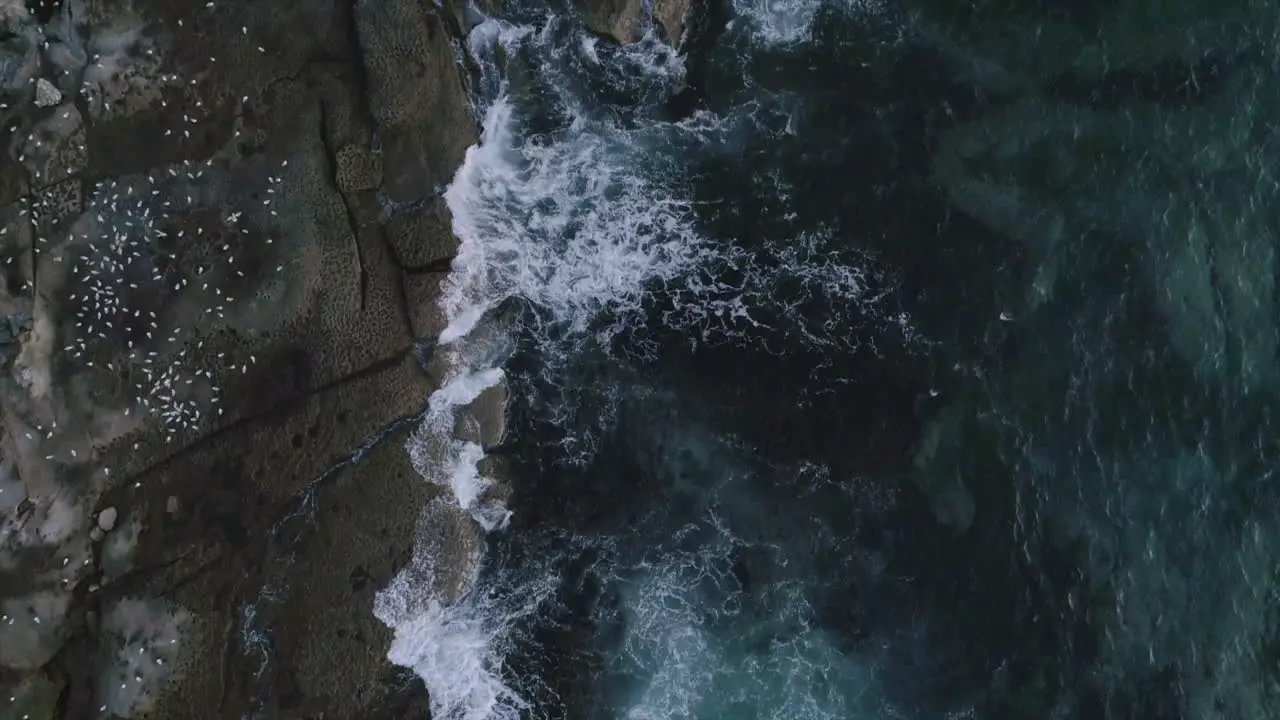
785, 22
441, 456
461, 389
684, 640
582, 227
779, 22
452, 647
571, 229
458, 648
487, 42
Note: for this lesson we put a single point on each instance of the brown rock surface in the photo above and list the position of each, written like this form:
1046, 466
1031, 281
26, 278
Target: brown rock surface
623, 20
216, 253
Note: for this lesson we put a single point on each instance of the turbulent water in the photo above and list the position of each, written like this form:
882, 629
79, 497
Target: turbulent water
865, 360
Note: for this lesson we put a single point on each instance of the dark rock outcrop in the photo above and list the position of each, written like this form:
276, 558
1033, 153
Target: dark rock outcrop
221, 235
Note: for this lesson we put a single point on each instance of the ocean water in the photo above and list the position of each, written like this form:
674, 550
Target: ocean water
863, 360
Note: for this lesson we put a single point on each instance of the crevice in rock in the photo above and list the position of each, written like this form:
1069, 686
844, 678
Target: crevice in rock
439, 265
352, 457
131, 581
403, 300
225, 672
458, 36
294, 76
359, 73
331, 156
294, 520
283, 407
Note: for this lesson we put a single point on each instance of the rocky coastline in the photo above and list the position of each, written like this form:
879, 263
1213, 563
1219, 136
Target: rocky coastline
223, 236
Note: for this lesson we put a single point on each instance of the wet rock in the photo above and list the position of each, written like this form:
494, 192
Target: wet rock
11, 10
65, 35
13, 328
117, 555
673, 15
619, 19
364, 528
623, 20
483, 421
424, 119
400, 42
422, 236
446, 553
127, 75
263, 465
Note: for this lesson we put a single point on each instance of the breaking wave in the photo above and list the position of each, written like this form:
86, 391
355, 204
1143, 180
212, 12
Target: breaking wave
674, 282
569, 227
577, 237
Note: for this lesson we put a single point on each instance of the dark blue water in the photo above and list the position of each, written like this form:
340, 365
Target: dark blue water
893, 361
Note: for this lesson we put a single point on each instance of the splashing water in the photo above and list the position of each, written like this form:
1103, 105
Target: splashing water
596, 246
569, 228
586, 225
787, 22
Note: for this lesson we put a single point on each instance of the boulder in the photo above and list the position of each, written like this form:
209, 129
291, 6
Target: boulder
623, 20
107, 519
46, 94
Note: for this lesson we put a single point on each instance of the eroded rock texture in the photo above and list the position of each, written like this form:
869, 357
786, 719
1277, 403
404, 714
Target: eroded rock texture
221, 234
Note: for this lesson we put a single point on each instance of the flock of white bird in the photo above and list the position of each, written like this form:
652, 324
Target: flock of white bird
116, 256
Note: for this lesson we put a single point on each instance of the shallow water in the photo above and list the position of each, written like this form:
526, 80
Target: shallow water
864, 363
